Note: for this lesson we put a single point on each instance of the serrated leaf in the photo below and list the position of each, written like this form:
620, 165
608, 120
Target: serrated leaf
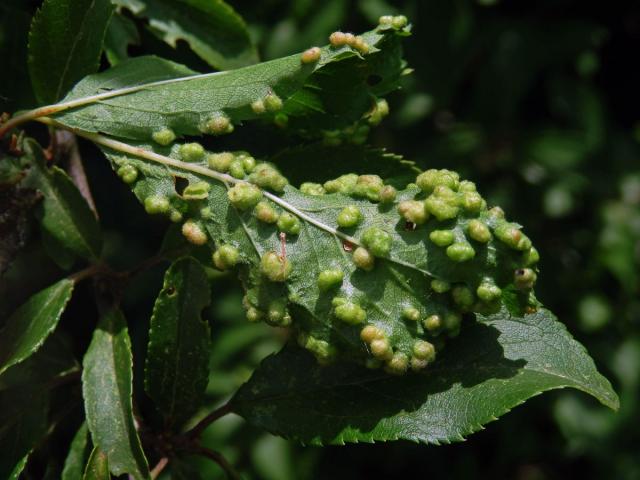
496, 364
177, 365
97, 466
76, 459
148, 94
65, 42
30, 325
65, 217
107, 390
212, 28
121, 33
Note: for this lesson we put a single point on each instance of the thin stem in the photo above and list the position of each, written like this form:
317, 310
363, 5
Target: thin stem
208, 420
219, 459
90, 271
157, 470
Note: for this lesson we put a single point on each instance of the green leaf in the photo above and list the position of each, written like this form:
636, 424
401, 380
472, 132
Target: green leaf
97, 466
15, 474
497, 363
140, 96
65, 42
121, 33
66, 220
177, 365
78, 452
30, 325
213, 30
107, 389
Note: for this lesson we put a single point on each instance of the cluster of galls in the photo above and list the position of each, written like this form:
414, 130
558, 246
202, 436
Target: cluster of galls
342, 39
369, 187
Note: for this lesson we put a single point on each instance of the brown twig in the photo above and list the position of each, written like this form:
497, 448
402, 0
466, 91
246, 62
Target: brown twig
157, 470
219, 459
208, 420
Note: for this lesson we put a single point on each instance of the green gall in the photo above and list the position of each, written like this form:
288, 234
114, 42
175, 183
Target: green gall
258, 107
433, 323
377, 241
370, 333
128, 173
265, 213
338, 39
175, 216
275, 267
266, 176
413, 211
478, 231
399, 21
452, 322
397, 364
309, 188
360, 45
385, 20
244, 196
350, 216
530, 257
460, 252
424, 350
440, 286
524, 278
351, 313
272, 102
337, 301
411, 313
496, 213
248, 162
488, 291
466, 186
331, 278
163, 136
380, 110
472, 202
463, 297
442, 238
363, 259
350, 38
217, 125
236, 169
418, 364
388, 194
430, 179
254, 315
225, 257
196, 191
281, 120
511, 235
220, 162
289, 223
343, 184
156, 204
311, 55
277, 314
369, 187
191, 152
320, 349
381, 349
440, 208
194, 233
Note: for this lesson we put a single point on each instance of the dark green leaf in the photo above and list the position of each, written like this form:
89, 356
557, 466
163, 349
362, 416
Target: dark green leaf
97, 466
107, 389
121, 33
65, 42
77, 457
15, 474
177, 366
497, 363
212, 29
65, 217
30, 325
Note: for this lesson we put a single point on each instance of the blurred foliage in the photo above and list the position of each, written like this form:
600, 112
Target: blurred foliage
534, 101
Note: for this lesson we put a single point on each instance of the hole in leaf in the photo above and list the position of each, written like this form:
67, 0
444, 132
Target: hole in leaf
180, 184
170, 291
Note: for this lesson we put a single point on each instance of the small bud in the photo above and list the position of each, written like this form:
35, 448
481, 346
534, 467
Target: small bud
309, 188
377, 241
442, 238
460, 252
351, 313
258, 107
524, 278
399, 21
272, 102
330, 278
472, 202
463, 297
488, 291
217, 125
289, 223
236, 169
277, 314
196, 191
370, 333
411, 313
478, 231
530, 257
368, 186
274, 267
156, 204
424, 351
381, 349
512, 236
163, 136
265, 212
194, 233
338, 39
128, 173
397, 364
432, 323
220, 161
388, 194
363, 259
440, 286
350, 216
244, 195
311, 55
225, 257
413, 211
